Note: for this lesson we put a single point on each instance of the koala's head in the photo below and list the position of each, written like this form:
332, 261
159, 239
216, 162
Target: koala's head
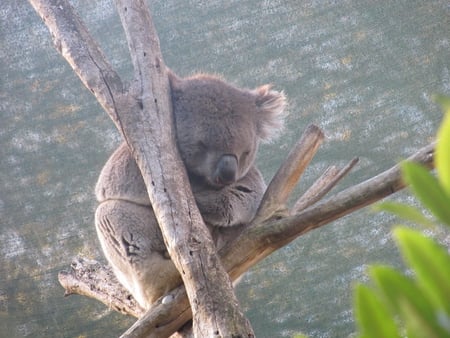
219, 126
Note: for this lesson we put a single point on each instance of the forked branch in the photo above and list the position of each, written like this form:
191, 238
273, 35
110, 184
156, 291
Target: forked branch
322, 186
265, 236
142, 113
288, 175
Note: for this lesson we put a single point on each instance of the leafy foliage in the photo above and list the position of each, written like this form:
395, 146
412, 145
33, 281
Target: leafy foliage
416, 305
442, 149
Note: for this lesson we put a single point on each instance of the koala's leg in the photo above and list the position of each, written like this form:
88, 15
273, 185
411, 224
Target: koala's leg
132, 243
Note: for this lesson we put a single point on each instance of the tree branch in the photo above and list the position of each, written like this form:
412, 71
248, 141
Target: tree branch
257, 242
143, 116
322, 186
290, 172
187, 239
73, 41
91, 279
262, 238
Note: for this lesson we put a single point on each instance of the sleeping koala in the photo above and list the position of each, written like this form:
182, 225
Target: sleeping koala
218, 129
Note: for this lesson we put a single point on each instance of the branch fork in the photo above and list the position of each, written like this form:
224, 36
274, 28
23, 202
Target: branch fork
143, 116
270, 230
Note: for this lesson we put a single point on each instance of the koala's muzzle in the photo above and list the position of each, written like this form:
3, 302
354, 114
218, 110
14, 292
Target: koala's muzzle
226, 170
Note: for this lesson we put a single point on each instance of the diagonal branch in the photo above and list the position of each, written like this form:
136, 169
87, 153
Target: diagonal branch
73, 41
152, 142
260, 240
281, 232
322, 186
103, 285
289, 173
143, 116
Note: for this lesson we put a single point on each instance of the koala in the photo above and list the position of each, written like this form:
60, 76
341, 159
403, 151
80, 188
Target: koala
218, 130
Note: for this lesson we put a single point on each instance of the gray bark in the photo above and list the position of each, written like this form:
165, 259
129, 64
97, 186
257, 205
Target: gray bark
142, 113
274, 227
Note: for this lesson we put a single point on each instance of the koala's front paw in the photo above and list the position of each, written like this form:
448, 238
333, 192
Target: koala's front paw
217, 220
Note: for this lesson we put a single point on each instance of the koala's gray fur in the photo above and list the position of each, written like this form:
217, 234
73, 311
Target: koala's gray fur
218, 128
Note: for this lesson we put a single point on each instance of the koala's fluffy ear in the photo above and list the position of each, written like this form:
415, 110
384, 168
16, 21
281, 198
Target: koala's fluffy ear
271, 104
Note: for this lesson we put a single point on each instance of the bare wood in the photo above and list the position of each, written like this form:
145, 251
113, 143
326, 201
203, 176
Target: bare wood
143, 116
263, 238
186, 237
322, 186
160, 321
309, 197
92, 279
290, 171
276, 233
72, 40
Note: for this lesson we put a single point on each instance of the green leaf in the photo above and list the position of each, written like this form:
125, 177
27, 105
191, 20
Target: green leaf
443, 100
373, 317
426, 187
407, 301
431, 263
404, 211
442, 158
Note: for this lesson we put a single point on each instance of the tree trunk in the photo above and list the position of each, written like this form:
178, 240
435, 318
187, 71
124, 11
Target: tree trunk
255, 243
142, 113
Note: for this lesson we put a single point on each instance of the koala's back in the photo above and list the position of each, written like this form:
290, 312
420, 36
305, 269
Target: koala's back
121, 179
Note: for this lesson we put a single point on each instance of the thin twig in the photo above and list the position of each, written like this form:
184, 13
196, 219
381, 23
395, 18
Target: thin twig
288, 175
262, 239
259, 241
322, 186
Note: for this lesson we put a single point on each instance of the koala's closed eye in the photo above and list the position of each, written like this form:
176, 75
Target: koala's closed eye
201, 146
243, 189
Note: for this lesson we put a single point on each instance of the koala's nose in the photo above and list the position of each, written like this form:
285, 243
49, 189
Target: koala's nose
226, 170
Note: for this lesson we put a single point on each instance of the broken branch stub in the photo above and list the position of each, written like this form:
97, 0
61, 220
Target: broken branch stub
263, 238
132, 112
322, 186
289, 173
